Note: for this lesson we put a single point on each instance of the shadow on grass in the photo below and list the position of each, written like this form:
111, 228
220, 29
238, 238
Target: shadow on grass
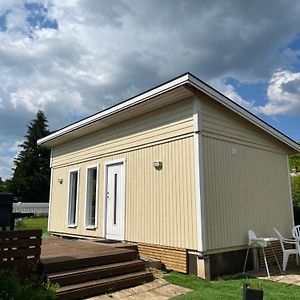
230, 288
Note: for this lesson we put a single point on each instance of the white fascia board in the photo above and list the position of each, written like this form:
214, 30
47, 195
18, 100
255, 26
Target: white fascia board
186, 78
133, 101
201, 86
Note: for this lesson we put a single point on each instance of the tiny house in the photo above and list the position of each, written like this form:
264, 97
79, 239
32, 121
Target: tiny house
180, 170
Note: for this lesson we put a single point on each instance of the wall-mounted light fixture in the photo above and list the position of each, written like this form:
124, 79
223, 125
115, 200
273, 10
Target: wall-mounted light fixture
158, 165
60, 180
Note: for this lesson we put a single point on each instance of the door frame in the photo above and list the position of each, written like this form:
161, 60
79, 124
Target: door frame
106, 165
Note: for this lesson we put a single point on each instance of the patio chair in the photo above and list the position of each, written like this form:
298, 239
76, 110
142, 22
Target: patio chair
296, 232
255, 242
287, 252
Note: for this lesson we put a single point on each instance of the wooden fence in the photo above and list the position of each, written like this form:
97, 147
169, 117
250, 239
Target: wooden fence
20, 249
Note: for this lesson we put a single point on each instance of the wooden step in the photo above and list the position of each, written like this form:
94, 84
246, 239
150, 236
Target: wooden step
56, 264
98, 272
101, 286
127, 246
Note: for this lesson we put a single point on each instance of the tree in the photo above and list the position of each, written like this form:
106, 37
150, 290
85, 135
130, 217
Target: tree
31, 176
294, 162
3, 187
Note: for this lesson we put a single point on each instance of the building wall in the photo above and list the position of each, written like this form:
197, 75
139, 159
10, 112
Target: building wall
146, 130
244, 173
160, 205
245, 179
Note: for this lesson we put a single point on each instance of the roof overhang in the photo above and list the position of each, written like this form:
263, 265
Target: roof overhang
162, 95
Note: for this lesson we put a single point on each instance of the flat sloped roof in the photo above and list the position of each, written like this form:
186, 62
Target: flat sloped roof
172, 87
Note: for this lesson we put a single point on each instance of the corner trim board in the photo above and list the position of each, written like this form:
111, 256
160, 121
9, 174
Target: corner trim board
201, 242
50, 192
290, 190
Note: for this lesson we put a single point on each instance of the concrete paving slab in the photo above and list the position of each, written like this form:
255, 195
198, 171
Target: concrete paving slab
292, 276
159, 289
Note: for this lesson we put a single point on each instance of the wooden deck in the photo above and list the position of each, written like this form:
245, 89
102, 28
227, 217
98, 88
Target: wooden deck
84, 268
55, 248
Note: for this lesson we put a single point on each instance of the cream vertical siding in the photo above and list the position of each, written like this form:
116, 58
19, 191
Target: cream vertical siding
244, 172
59, 202
245, 180
149, 129
159, 204
219, 122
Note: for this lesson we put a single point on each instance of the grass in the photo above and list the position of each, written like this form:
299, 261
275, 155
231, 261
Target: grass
230, 289
34, 223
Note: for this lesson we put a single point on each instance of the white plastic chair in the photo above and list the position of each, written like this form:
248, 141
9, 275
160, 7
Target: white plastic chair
255, 242
288, 252
296, 232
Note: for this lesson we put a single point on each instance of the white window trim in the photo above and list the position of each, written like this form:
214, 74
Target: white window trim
106, 164
97, 193
50, 192
77, 198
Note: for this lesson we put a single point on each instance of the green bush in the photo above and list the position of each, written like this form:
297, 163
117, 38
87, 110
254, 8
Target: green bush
32, 289
295, 186
297, 215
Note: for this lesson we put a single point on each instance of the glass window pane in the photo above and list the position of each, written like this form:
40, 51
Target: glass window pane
73, 197
91, 197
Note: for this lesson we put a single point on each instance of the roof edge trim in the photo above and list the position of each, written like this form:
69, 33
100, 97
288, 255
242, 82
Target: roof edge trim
167, 86
219, 97
172, 84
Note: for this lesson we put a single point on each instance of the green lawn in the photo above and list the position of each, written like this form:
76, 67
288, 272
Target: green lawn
34, 223
230, 289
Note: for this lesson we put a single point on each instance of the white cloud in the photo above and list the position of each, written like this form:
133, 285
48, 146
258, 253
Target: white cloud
34, 100
105, 51
1, 104
283, 94
8, 151
229, 91
15, 146
16, 19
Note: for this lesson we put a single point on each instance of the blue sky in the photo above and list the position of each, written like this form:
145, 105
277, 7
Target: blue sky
73, 58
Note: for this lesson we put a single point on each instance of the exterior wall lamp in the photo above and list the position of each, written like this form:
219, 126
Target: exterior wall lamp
158, 165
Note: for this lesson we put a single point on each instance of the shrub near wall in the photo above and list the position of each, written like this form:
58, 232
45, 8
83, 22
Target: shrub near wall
32, 289
295, 186
297, 215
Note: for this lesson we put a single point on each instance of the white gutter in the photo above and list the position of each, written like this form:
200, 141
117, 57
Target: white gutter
133, 101
198, 84
186, 78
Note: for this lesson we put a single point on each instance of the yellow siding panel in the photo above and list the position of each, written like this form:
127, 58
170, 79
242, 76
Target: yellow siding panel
219, 121
160, 204
152, 128
245, 188
59, 201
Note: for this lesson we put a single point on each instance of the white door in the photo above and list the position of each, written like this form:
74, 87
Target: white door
115, 201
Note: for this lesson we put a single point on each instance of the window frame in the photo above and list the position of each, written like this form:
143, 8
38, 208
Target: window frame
88, 226
74, 225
